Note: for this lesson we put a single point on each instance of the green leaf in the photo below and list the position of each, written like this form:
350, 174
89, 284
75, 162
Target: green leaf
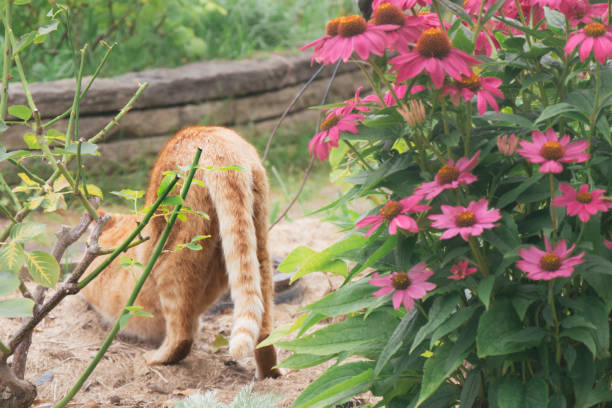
554, 111
386, 248
500, 333
404, 331
31, 140
300, 361
445, 360
508, 118
21, 2
511, 196
165, 183
582, 335
485, 287
48, 28
554, 18
512, 393
12, 256
88, 149
27, 231
19, 307
440, 311
22, 43
327, 260
594, 311
20, 111
9, 282
129, 194
219, 343
470, 389
347, 299
336, 385
456, 9
453, 323
5, 156
172, 200
344, 336
296, 258
43, 268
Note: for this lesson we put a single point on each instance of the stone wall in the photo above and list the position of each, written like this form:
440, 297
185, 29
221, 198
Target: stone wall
249, 93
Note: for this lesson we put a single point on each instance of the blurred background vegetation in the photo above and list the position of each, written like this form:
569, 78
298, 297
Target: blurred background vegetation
164, 33
170, 33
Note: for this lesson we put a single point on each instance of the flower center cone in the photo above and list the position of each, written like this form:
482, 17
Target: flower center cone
433, 43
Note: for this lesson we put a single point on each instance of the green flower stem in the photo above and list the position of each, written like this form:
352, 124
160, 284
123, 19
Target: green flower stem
580, 233
91, 80
22, 77
479, 21
6, 64
553, 213
423, 312
80, 195
375, 87
436, 7
593, 118
74, 112
484, 268
126, 243
120, 115
388, 84
145, 274
354, 150
12, 195
7, 214
551, 300
131, 245
27, 171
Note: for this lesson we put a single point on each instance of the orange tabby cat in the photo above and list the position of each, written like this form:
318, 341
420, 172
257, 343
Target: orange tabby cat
184, 283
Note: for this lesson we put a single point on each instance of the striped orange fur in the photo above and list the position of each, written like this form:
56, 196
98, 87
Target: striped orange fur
185, 283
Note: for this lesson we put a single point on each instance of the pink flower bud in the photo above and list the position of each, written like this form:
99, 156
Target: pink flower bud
507, 144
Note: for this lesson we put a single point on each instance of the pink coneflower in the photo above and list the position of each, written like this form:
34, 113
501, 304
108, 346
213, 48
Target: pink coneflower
322, 143
355, 35
321, 44
388, 99
553, 263
355, 104
402, 4
409, 27
507, 144
485, 89
485, 42
582, 202
395, 213
470, 221
594, 37
435, 54
581, 11
450, 176
549, 151
407, 286
460, 270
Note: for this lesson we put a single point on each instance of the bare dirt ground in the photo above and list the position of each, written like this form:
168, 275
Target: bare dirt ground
67, 340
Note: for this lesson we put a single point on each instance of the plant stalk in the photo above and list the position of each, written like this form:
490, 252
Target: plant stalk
158, 250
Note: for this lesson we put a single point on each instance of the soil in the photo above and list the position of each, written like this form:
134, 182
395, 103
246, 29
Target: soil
66, 341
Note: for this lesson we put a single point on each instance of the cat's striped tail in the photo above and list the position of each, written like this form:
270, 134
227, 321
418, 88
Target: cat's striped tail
232, 195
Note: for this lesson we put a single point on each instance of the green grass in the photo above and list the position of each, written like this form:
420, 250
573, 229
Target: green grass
167, 33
